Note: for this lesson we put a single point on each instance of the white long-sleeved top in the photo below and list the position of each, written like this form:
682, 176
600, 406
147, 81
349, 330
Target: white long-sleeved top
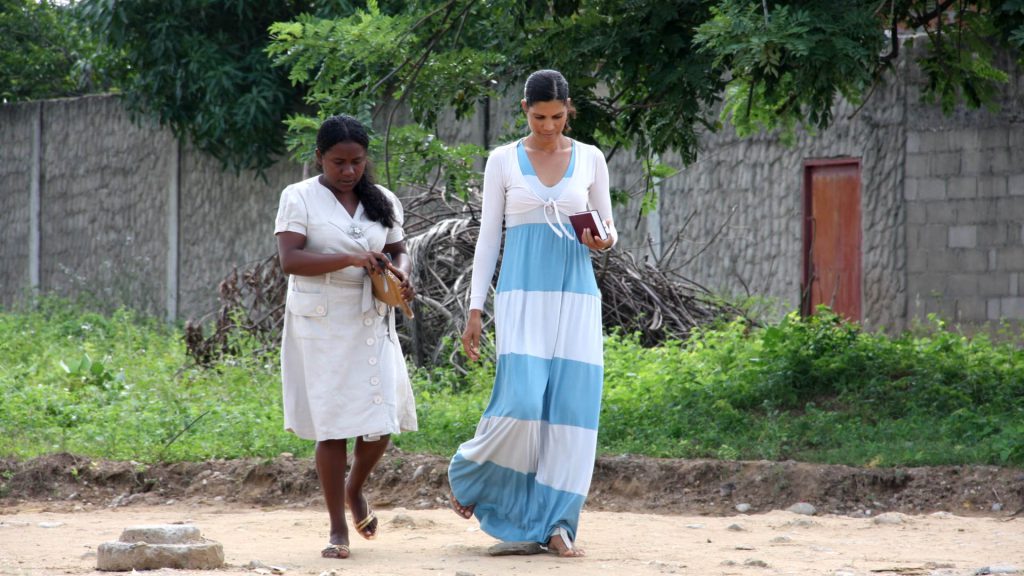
507, 195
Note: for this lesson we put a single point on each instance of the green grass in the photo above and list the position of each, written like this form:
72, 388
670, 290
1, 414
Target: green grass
818, 390
138, 399
119, 386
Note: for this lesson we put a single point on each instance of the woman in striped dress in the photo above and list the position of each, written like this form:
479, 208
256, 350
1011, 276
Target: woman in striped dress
526, 472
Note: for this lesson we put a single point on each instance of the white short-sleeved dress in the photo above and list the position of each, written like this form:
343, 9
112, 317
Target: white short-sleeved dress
343, 374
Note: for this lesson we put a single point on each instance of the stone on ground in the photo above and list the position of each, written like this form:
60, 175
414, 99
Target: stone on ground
179, 546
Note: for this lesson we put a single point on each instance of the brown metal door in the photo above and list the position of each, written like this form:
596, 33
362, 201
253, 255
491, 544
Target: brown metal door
832, 237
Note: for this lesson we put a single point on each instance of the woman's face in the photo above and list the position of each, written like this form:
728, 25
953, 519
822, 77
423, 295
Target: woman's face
343, 165
547, 119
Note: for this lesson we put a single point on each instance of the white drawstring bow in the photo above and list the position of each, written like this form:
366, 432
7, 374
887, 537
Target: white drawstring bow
560, 231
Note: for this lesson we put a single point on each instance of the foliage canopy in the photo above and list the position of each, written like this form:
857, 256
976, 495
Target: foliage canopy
648, 75
199, 67
46, 51
645, 74
789, 60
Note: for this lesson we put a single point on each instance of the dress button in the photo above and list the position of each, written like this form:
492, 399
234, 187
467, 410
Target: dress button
372, 361
370, 341
367, 321
319, 309
374, 381
377, 399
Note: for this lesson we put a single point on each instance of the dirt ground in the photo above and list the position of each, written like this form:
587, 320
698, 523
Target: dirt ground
644, 516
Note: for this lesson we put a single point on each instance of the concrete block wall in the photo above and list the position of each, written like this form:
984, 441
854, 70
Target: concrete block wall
964, 197
226, 221
109, 191
744, 234
942, 202
942, 207
103, 204
747, 197
17, 124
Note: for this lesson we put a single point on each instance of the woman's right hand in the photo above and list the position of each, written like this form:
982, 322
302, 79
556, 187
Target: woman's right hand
370, 261
471, 335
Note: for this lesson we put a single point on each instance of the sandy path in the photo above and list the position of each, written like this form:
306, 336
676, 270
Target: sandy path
440, 543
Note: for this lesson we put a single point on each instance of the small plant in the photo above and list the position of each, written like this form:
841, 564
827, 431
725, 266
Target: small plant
87, 372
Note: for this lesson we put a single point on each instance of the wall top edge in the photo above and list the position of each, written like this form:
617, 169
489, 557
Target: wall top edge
63, 100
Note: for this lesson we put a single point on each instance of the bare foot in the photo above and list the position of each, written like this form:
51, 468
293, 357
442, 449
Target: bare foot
464, 511
564, 548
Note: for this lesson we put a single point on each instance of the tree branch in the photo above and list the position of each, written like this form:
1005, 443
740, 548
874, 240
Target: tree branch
397, 69
417, 68
894, 37
923, 19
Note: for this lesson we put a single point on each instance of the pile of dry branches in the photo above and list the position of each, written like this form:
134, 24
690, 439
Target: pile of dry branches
639, 295
251, 306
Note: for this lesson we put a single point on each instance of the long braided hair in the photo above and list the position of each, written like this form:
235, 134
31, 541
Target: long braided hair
345, 128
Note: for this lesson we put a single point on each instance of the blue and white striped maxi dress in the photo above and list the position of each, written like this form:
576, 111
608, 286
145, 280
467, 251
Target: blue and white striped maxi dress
528, 468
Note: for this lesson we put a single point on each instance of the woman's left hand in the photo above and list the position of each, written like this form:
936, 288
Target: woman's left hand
597, 243
399, 264
408, 292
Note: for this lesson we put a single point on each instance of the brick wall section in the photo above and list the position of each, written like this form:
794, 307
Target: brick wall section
16, 126
964, 195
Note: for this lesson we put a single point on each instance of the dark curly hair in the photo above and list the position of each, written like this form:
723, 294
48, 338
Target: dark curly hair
345, 128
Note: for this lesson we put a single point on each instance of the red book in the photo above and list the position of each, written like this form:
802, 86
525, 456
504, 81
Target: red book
588, 219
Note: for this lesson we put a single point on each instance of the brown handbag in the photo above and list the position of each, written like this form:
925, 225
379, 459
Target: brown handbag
388, 289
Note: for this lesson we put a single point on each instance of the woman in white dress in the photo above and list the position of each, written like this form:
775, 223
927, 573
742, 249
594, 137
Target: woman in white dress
526, 472
342, 369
